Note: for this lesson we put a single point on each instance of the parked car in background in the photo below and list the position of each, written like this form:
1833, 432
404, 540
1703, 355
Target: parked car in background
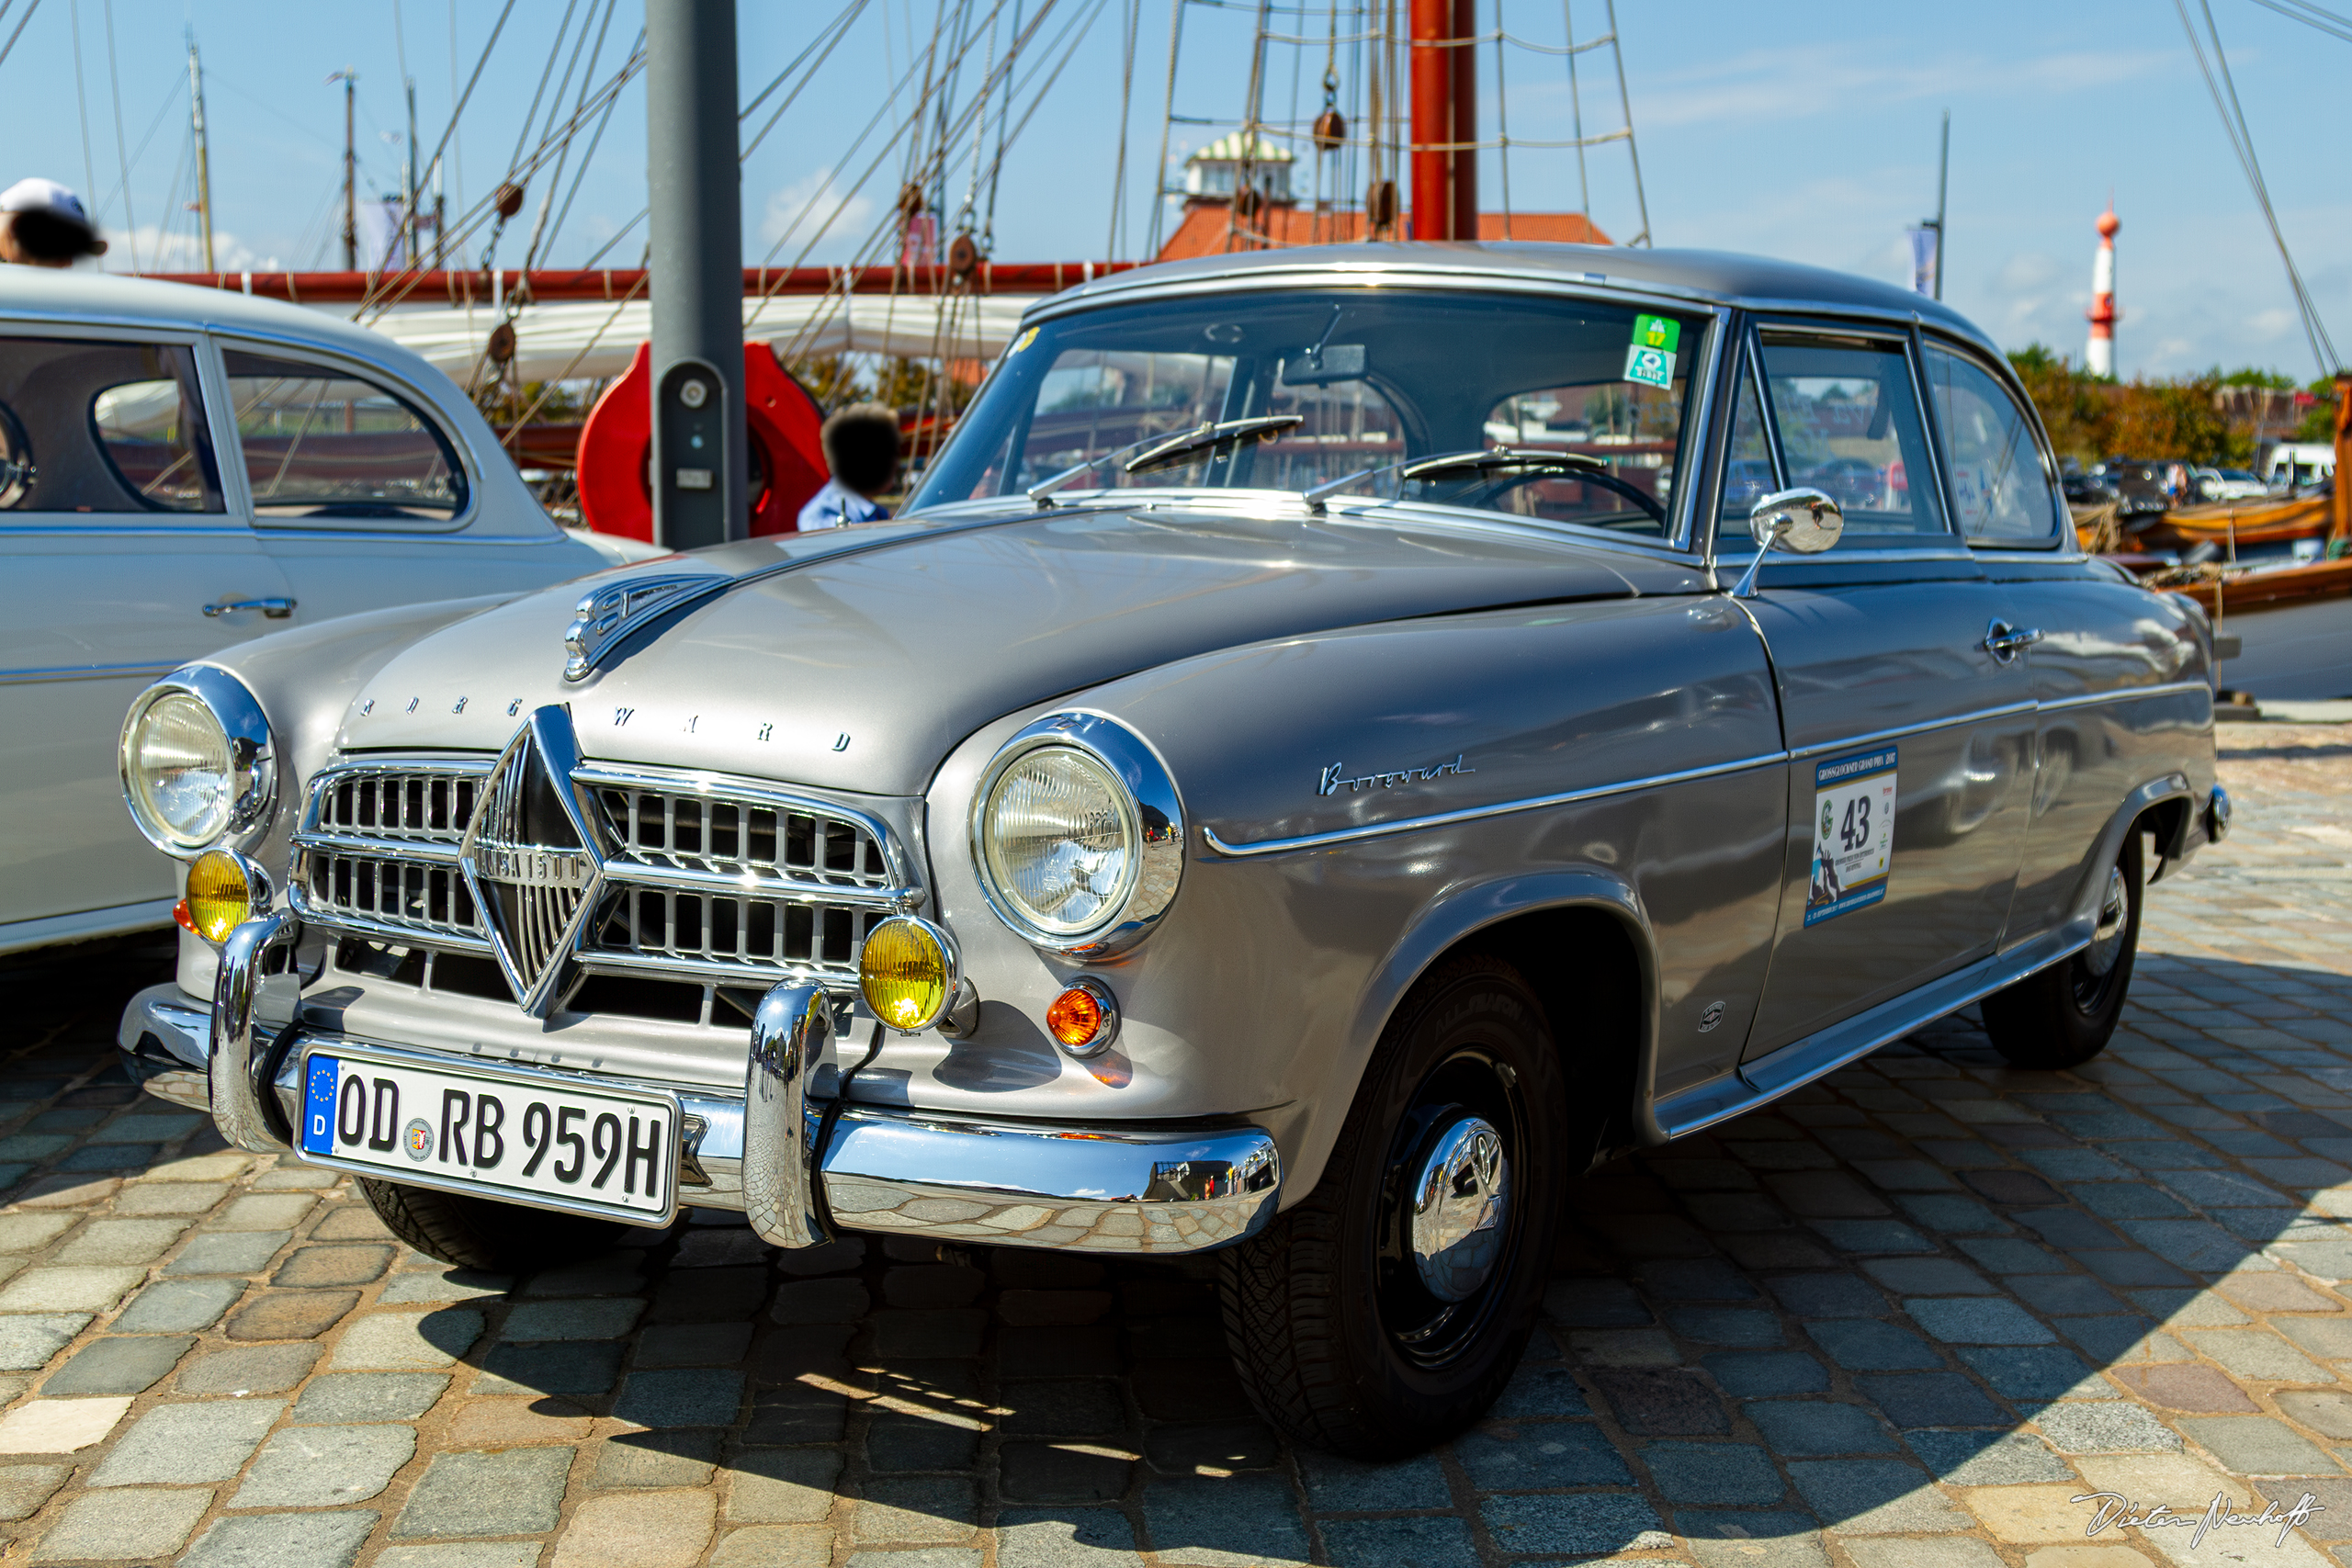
181, 470
1238, 806
2298, 465
2140, 486
2229, 484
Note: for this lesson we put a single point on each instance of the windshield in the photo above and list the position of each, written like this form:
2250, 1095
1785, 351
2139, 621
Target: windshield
1376, 377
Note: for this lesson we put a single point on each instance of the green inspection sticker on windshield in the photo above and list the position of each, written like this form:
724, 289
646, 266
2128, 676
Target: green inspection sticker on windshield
1649, 358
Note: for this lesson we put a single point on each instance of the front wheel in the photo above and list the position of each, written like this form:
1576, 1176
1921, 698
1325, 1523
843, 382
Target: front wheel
482, 1233
2063, 1015
1385, 1312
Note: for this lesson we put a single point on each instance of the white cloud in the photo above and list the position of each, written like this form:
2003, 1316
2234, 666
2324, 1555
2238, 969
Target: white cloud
1771, 86
180, 252
813, 213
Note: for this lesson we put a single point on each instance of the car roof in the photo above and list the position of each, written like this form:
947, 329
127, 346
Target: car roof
79, 294
1718, 277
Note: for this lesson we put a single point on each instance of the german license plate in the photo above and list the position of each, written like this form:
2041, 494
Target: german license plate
525, 1140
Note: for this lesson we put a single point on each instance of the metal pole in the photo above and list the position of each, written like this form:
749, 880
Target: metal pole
408, 182
350, 174
1943, 173
701, 473
203, 153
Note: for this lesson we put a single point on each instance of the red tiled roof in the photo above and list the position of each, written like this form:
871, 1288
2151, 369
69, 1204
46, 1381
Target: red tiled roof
1204, 231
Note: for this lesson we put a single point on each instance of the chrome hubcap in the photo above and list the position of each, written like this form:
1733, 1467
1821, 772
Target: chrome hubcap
1461, 1199
2114, 910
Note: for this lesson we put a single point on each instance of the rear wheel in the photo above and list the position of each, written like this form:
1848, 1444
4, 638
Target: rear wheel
2066, 1014
1385, 1312
482, 1233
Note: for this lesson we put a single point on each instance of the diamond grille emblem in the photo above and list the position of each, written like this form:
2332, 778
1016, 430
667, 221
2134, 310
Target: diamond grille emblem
530, 855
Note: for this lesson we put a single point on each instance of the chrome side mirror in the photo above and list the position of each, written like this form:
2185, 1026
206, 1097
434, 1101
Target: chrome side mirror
1803, 521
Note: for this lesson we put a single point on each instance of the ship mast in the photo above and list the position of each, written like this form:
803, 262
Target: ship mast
203, 154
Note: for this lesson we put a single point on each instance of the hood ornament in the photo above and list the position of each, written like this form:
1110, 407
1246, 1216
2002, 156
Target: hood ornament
532, 860
607, 615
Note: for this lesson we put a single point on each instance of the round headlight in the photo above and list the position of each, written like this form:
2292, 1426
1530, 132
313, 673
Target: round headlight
907, 972
1078, 835
197, 763
1060, 841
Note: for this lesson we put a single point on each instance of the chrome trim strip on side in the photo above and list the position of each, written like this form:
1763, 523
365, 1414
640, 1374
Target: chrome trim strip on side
1792, 1066
1878, 737
87, 673
2092, 699
1571, 797
1469, 814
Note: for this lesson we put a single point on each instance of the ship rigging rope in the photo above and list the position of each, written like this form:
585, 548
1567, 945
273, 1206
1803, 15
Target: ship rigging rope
1072, 34
114, 81
540, 233
395, 286
2226, 100
31, 6
555, 51
2312, 15
587, 158
839, 28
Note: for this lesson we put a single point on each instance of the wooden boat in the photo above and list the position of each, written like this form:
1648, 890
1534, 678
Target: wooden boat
2289, 624
2251, 523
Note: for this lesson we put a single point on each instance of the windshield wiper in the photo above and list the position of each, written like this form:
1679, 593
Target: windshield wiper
1480, 460
1161, 451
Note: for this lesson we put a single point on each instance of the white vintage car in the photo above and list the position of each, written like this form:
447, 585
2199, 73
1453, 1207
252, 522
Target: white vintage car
182, 470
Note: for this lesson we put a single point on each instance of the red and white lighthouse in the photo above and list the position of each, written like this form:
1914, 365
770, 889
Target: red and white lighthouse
2099, 358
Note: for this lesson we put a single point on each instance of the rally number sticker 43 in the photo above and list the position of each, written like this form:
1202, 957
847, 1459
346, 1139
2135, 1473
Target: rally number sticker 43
1853, 833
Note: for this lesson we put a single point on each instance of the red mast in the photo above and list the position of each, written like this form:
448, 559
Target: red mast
1445, 119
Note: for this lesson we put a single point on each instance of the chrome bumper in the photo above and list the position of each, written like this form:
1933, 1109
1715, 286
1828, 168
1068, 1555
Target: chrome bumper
1098, 1189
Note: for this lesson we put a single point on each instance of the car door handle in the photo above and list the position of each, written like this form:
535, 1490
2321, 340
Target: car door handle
2002, 640
275, 609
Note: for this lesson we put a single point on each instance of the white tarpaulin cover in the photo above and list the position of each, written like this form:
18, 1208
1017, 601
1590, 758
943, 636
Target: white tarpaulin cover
590, 338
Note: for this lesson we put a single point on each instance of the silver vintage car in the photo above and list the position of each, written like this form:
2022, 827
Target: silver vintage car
1339, 742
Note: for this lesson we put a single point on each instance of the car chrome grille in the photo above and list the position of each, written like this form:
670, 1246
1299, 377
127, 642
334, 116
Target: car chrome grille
725, 881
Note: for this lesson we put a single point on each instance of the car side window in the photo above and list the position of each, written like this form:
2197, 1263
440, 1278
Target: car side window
324, 444
1849, 424
1748, 465
103, 428
2000, 489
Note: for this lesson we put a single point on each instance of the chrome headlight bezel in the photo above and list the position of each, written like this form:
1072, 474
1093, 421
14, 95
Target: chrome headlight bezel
252, 760
1152, 805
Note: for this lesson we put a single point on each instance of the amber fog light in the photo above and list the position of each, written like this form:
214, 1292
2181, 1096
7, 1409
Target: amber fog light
224, 891
908, 973
1085, 1019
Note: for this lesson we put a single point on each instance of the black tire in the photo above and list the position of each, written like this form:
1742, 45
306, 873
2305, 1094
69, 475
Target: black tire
1331, 1326
2065, 1015
482, 1233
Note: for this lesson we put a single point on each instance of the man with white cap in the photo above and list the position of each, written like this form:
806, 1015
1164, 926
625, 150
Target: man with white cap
43, 224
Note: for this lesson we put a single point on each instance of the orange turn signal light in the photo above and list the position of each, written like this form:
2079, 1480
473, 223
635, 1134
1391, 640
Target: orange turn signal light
180, 913
1085, 1019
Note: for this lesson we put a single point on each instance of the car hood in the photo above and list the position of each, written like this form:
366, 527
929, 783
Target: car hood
863, 661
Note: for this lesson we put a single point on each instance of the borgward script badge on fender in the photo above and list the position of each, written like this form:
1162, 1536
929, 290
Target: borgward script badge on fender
531, 859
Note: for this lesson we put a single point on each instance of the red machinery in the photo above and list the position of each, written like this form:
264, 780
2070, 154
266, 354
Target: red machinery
617, 444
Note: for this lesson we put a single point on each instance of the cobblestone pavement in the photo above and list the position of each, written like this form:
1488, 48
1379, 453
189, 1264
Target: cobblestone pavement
1900, 1321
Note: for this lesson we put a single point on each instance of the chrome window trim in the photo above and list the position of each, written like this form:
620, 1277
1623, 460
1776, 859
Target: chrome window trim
137, 333
1683, 517
1151, 787
246, 340
1905, 336
2043, 452
244, 722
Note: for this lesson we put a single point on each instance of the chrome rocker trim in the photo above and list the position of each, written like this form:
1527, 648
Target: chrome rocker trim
1103, 1187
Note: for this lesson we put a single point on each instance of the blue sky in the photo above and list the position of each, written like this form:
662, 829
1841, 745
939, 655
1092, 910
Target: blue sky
1803, 131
